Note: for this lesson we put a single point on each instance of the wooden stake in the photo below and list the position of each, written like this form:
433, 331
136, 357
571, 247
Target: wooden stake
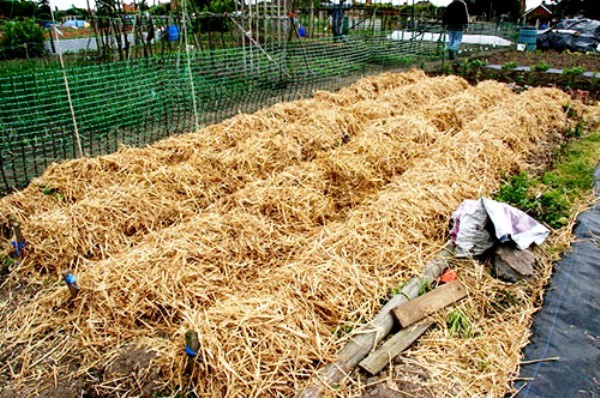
71, 282
19, 242
18, 234
374, 332
311, 22
381, 357
192, 345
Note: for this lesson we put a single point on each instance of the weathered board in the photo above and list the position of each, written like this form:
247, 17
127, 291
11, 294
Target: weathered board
417, 309
374, 332
381, 357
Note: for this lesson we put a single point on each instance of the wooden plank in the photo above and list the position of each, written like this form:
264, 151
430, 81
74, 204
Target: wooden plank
381, 357
417, 309
367, 337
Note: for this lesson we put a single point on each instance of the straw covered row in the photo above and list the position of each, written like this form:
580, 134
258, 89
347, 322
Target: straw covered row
142, 199
302, 234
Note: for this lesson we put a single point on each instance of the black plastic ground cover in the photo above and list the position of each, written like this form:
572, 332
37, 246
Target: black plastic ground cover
568, 326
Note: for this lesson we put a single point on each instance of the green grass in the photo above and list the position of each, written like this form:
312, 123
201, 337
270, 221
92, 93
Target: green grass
577, 131
424, 287
459, 325
550, 197
575, 165
6, 261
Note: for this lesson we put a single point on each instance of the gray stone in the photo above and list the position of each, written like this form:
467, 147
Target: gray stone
512, 264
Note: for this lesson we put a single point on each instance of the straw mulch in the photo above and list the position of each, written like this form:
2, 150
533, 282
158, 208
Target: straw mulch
268, 234
152, 189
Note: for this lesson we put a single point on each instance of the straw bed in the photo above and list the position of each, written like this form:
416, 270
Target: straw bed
299, 237
172, 194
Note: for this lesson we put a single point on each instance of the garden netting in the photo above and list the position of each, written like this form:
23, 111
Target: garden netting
139, 101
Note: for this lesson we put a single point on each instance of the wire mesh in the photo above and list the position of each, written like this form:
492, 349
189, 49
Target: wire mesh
140, 100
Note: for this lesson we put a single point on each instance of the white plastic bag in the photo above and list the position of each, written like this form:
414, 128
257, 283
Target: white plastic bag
471, 237
468, 231
515, 224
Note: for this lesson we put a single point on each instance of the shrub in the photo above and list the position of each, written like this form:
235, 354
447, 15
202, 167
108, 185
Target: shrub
542, 67
554, 208
22, 39
509, 65
515, 191
478, 63
574, 71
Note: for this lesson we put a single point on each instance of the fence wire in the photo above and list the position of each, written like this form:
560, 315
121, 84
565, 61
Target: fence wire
139, 101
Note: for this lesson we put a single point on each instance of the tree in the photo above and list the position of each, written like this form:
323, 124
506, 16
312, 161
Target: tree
157, 10
80, 12
44, 13
22, 39
43, 10
17, 9
571, 8
493, 9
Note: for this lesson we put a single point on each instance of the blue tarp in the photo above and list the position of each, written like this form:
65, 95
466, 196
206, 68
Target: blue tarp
74, 24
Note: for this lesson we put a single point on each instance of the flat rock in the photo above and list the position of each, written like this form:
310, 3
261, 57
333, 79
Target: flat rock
512, 264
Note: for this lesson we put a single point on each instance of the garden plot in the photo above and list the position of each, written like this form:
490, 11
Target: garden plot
268, 234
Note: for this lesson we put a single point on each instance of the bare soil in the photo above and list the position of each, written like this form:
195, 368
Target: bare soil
521, 80
403, 380
591, 62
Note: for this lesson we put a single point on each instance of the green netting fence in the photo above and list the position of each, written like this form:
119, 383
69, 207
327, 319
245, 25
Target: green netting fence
140, 101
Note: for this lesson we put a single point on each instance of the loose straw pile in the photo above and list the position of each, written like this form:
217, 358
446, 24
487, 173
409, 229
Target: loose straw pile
145, 194
267, 234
